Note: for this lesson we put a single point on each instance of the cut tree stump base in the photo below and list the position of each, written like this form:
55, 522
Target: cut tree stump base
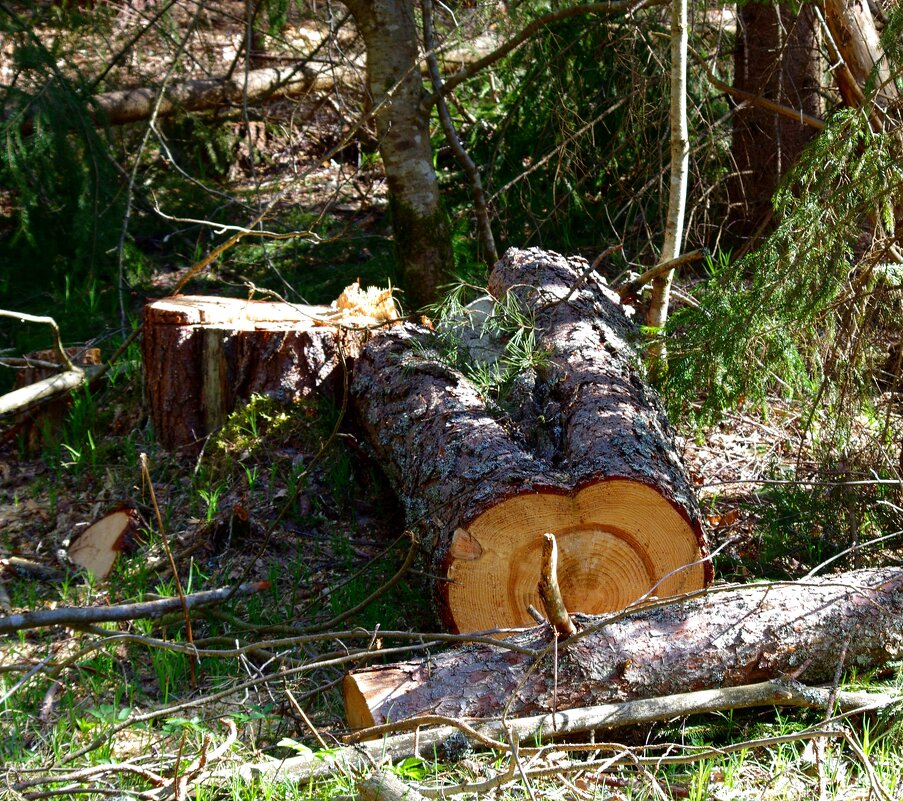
203, 356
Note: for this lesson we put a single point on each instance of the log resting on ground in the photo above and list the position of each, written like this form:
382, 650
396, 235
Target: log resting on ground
586, 453
723, 638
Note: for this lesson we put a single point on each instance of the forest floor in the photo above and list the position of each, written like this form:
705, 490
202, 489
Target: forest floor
289, 497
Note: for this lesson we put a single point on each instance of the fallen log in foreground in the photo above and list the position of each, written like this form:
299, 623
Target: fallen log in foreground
587, 456
723, 637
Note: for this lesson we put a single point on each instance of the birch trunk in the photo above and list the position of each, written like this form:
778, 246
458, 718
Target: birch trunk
419, 222
657, 315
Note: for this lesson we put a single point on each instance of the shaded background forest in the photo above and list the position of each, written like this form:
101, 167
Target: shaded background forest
570, 132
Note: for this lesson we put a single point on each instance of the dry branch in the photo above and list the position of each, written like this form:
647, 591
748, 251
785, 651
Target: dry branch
75, 616
50, 387
721, 638
54, 386
424, 737
634, 285
550, 592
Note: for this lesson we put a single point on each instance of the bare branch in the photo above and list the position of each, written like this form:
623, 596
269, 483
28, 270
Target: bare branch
470, 169
609, 9
76, 616
550, 592
635, 285
57, 342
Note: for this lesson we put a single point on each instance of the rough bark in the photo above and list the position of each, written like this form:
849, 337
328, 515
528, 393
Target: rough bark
204, 355
729, 637
419, 222
588, 456
776, 58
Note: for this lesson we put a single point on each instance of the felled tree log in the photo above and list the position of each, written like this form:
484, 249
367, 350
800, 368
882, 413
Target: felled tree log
42, 392
205, 355
589, 457
203, 94
804, 630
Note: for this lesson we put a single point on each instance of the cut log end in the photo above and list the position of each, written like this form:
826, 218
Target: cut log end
618, 539
98, 546
368, 689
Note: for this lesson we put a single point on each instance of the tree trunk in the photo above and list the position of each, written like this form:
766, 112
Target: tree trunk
586, 454
419, 222
657, 315
856, 43
806, 630
204, 355
775, 58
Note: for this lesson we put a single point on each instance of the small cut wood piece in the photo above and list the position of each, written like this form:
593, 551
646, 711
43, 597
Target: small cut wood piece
588, 455
203, 356
725, 638
98, 546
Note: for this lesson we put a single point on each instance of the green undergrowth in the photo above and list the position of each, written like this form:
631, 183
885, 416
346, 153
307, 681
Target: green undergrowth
492, 342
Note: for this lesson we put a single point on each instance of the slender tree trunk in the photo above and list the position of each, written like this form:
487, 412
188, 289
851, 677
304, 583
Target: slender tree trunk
775, 58
680, 161
420, 224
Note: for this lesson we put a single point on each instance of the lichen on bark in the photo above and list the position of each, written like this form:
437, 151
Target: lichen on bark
423, 248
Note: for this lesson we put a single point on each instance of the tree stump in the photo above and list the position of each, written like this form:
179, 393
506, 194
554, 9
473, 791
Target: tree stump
588, 456
735, 636
205, 355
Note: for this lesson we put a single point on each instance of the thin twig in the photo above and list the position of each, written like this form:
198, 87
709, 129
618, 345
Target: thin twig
454, 141
610, 9
57, 341
145, 474
399, 575
130, 187
75, 616
581, 279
